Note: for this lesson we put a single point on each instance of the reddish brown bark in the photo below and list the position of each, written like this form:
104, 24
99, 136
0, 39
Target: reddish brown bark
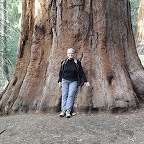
101, 33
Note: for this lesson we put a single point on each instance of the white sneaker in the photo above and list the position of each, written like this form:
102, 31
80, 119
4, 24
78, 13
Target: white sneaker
62, 114
68, 115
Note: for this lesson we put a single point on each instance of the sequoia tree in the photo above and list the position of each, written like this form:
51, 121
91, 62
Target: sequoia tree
140, 29
100, 31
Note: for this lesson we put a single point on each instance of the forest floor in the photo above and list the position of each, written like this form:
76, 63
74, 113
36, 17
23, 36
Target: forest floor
100, 128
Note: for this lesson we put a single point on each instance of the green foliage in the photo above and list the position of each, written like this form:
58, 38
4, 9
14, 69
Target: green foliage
134, 13
14, 12
12, 22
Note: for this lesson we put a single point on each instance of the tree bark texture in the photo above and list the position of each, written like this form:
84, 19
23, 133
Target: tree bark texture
100, 32
140, 29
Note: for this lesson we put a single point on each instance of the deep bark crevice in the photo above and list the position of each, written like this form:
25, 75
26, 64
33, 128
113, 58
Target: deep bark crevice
50, 4
14, 81
40, 29
90, 29
110, 78
21, 52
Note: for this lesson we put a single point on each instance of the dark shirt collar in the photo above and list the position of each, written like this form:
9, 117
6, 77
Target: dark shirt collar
70, 59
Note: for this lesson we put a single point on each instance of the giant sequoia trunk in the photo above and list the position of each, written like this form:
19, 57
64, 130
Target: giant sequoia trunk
140, 29
101, 33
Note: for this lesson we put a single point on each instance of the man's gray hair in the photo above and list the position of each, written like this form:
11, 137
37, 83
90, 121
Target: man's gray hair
71, 49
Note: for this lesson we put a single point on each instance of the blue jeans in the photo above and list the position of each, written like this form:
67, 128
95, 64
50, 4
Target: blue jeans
69, 89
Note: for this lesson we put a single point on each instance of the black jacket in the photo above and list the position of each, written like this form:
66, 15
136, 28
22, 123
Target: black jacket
80, 72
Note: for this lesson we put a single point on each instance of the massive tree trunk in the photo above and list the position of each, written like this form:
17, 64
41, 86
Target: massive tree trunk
101, 33
140, 29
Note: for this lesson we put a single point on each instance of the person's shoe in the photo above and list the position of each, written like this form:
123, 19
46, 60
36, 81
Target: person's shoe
68, 115
62, 114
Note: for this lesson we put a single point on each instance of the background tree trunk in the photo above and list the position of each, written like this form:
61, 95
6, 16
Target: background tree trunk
140, 29
4, 37
101, 33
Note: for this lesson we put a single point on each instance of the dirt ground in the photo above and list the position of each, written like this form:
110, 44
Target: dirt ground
101, 128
